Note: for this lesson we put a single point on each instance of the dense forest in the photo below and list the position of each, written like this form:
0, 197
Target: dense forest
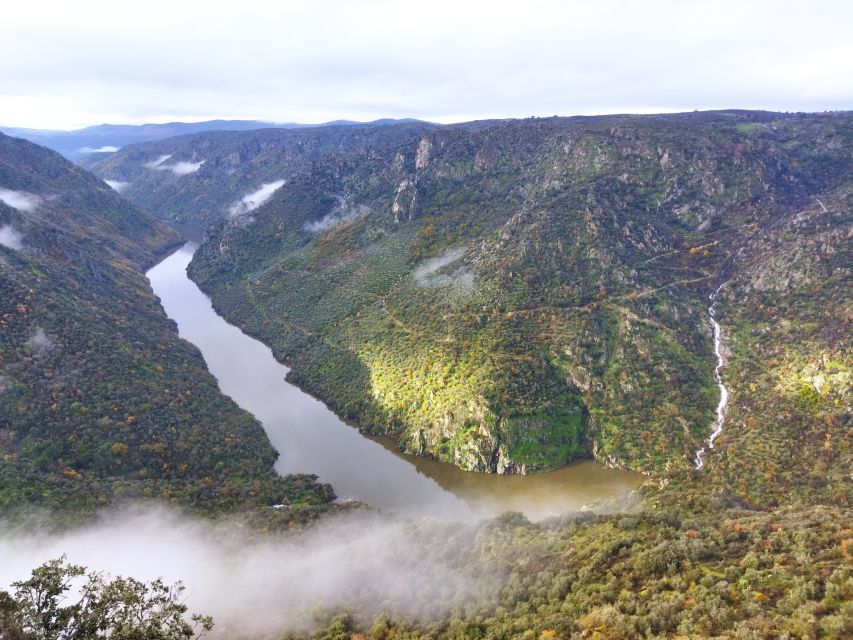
506, 296
100, 401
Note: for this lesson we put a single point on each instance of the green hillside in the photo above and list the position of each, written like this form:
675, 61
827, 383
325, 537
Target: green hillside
509, 296
100, 401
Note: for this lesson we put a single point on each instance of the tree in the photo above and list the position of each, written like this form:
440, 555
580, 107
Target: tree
120, 608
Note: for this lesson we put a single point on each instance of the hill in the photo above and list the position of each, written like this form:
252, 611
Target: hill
511, 295
100, 401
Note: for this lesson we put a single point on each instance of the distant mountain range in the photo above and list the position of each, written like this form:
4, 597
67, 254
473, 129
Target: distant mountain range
107, 138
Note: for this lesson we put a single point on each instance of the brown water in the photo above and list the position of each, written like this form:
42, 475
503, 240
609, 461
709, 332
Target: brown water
312, 439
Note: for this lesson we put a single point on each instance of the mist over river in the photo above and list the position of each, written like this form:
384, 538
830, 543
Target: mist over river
312, 439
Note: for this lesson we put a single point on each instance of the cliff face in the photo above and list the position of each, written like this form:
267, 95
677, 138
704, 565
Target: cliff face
508, 296
100, 401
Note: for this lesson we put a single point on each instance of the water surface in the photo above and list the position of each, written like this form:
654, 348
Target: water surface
312, 439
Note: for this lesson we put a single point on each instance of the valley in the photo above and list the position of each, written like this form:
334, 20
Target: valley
554, 377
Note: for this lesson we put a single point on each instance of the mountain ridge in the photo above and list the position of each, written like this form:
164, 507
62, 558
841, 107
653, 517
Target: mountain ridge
577, 253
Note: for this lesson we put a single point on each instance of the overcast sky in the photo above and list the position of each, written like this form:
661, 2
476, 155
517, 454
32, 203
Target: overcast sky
76, 63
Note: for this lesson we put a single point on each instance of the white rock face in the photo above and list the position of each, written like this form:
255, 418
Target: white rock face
255, 199
422, 157
20, 200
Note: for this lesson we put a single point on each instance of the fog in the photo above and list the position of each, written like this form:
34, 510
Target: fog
10, 238
21, 200
181, 168
336, 217
104, 149
461, 279
117, 185
255, 199
39, 342
261, 585
156, 163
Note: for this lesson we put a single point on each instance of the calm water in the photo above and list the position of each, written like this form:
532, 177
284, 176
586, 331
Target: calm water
312, 439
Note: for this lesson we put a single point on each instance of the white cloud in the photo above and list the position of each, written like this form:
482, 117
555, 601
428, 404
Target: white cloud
118, 185
104, 149
255, 199
316, 61
21, 200
342, 213
155, 164
183, 168
428, 275
39, 341
179, 168
10, 238
262, 585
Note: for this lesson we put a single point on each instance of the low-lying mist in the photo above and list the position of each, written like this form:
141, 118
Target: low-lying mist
20, 200
10, 238
260, 585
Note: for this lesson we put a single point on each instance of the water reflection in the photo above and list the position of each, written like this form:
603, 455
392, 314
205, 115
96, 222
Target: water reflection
312, 439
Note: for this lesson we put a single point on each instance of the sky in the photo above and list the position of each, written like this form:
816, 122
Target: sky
73, 64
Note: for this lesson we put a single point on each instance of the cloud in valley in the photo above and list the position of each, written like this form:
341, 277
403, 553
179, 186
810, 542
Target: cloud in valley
263, 584
433, 273
255, 199
10, 238
155, 164
340, 214
20, 200
104, 149
118, 185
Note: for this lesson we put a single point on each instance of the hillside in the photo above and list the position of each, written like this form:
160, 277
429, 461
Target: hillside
90, 143
100, 401
508, 296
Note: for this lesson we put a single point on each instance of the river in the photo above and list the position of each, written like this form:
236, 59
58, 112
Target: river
312, 439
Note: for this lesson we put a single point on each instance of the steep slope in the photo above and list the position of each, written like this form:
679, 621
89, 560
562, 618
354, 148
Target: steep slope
502, 295
197, 179
99, 398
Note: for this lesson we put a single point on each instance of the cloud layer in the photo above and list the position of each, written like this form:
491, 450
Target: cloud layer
317, 61
20, 200
255, 199
10, 238
261, 585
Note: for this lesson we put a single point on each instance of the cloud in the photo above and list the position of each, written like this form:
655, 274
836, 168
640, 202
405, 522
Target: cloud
319, 61
10, 238
39, 342
461, 279
183, 168
118, 185
261, 585
155, 164
104, 149
342, 213
180, 168
21, 200
255, 199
